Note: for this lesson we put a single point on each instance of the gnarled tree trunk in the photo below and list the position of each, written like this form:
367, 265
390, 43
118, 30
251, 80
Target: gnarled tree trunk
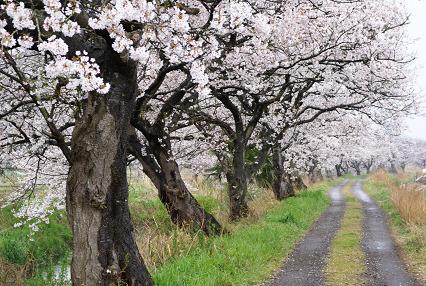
164, 172
338, 170
358, 171
392, 168
282, 186
357, 168
367, 165
298, 183
104, 248
237, 191
236, 177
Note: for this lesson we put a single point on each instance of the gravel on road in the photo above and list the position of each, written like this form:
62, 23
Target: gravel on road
306, 263
385, 267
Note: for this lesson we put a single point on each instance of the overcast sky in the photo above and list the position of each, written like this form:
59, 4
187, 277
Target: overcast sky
417, 30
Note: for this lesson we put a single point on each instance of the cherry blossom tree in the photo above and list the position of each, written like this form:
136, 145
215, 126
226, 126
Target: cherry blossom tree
84, 84
293, 79
419, 156
337, 139
88, 56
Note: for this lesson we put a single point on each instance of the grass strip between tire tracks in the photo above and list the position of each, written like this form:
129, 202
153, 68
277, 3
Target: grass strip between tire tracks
346, 264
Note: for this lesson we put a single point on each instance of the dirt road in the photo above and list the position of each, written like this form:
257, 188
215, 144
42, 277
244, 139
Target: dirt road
306, 264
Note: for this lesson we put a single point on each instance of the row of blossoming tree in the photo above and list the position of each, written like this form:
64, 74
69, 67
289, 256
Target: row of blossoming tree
87, 86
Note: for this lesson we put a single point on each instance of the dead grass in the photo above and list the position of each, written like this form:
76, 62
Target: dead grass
406, 206
157, 246
411, 202
13, 274
409, 198
159, 240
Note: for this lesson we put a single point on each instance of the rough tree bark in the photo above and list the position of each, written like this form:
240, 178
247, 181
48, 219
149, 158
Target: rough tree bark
338, 170
298, 183
104, 249
358, 171
392, 168
282, 186
345, 168
367, 165
237, 179
239, 172
314, 173
357, 167
164, 172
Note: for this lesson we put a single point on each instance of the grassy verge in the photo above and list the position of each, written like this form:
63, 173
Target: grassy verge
252, 252
346, 264
36, 260
28, 258
410, 237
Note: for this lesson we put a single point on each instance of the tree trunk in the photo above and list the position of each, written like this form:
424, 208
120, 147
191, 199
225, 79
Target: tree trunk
358, 170
393, 168
344, 168
338, 170
164, 172
298, 183
319, 175
237, 183
104, 248
312, 177
368, 168
329, 174
282, 187
237, 191
368, 165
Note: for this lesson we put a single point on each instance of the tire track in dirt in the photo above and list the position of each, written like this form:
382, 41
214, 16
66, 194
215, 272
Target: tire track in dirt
306, 263
384, 266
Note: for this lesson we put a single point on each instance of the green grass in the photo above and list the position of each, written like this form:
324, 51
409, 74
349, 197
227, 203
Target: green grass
252, 252
37, 253
381, 195
146, 209
410, 238
210, 204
